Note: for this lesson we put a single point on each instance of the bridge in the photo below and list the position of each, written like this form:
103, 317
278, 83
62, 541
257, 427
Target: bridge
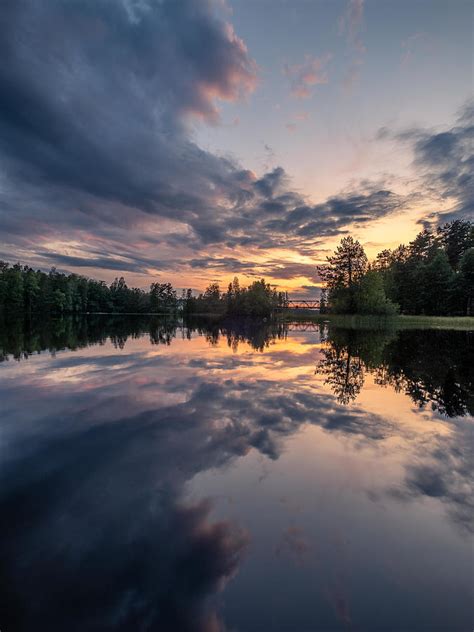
302, 304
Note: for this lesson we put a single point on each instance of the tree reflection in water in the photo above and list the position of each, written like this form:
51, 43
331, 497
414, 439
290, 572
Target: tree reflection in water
344, 372
21, 338
432, 367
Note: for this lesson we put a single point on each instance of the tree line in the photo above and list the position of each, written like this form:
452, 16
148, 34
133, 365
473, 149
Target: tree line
28, 291
258, 299
433, 274
24, 290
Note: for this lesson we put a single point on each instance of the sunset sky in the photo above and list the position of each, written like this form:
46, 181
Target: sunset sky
191, 141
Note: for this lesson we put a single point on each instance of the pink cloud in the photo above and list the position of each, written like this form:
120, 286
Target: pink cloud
233, 78
301, 116
306, 75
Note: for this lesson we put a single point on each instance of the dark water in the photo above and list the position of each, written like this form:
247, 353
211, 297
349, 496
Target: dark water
250, 478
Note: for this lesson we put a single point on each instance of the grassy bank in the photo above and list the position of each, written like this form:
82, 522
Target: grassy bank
465, 323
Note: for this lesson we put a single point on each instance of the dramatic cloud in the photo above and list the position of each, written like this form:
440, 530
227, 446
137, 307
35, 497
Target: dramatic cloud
99, 167
94, 106
445, 163
291, 215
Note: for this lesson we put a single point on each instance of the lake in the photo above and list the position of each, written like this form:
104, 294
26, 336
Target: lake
246, 477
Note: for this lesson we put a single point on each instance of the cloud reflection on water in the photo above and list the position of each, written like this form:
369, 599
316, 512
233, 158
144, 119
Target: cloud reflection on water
100, 446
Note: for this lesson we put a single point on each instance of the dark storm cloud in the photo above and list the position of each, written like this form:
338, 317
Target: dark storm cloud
95, 104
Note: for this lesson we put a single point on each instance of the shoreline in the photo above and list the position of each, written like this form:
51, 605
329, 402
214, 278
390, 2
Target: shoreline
399, 321
351, 321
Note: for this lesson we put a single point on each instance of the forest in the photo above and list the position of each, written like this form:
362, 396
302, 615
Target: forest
24, 290
433, 275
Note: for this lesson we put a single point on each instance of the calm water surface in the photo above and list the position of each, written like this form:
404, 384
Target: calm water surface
250, 478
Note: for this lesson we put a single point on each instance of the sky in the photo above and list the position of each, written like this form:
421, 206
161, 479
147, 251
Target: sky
191, 141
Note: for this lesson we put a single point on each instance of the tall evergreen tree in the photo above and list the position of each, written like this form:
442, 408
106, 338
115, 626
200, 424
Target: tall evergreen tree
436, 284
456, 238
467, 280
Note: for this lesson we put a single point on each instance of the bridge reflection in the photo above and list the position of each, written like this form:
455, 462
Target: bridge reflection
304, 326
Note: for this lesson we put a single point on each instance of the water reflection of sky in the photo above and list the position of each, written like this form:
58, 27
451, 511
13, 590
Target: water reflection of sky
196, 486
